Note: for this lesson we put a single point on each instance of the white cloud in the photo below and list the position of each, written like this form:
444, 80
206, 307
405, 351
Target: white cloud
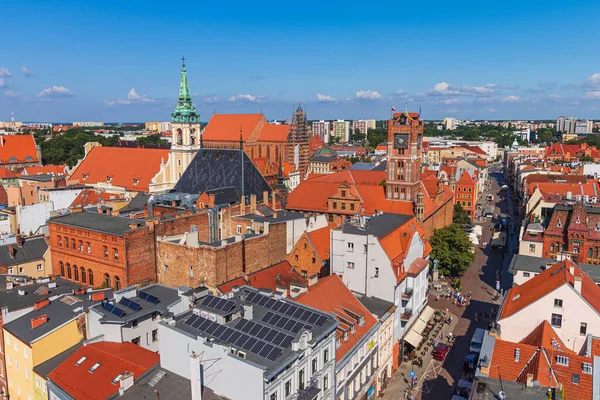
4, 72
324, 98
594, 79
211, 99
511, 99
451, 101
484, 99
2, 82
55, 92
10, 94
593, 94
446, 89
132, 98
368, 94
400, 92
26, 71
247, 97
492, 110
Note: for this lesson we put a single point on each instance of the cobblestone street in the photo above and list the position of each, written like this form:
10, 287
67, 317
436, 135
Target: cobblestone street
436, 380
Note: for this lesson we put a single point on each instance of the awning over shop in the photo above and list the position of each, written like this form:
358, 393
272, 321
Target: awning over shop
413, 338
426, 314
419, 326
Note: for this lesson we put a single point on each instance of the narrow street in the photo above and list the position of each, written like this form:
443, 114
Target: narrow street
480, 280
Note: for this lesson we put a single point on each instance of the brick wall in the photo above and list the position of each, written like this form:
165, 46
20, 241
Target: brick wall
305, 258
441, 218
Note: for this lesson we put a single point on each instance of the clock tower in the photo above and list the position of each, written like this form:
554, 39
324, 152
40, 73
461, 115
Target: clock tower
405, 133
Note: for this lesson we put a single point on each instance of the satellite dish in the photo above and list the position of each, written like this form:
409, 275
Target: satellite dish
502, 395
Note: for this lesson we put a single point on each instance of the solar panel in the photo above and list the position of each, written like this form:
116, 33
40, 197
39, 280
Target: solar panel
267, 317
270, 303
270, 336
284, 308
248, 327
296, 328
279, 339
289, 325
321, 320
275, 319
219, 331
227, 305
282, 321
130, 304
227, 334
241, 323
313, 318
263, 332
298, 313
218, 304
266, 350
241, 339
262, 301
204, 324
287, 341
249, 344
290, 311
255, 329
191, 320
250, 296
277, 305
148, 297
211, 328
306, 315
274, 354
207, 301
258, 346
198, 322
114, 310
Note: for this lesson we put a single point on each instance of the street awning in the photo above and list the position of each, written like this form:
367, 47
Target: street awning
413, 338
426, 314
419, 326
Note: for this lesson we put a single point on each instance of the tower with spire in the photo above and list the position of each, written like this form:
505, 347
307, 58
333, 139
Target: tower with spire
186, 138
299, 140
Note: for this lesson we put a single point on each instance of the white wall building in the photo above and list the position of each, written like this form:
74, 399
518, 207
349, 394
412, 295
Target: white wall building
384, 258
450, 124
252, 346
321, 128
88, 124
31, 218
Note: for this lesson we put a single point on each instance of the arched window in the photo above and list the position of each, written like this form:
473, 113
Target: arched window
191, 272
551, 247
73, 244
91, 277
590, 252
106, 280
81, 245
69, 271
66, 242
62, 269
75, 272
117, 283
82, 275
59, 239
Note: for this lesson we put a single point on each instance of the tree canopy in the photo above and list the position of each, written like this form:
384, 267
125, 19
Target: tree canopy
68, 147
376, 136
152, 140
460, 216
453, 249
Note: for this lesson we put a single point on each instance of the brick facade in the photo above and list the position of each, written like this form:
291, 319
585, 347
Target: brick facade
305, 258
441, 218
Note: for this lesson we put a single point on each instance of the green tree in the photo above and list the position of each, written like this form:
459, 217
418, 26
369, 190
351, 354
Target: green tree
376, 136
152, 140
453, 249
68, 147
586, 159
357, 136
460, 216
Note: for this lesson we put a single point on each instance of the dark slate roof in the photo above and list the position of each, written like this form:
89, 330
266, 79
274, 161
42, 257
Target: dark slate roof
362, 166
98, 222
166, 297
323, 158
170, 387
13, 301
135, 204
591, 270
282, 216
32, 249
378, 226
381, 167
521, 262
213, 169
47, 366
58, 313
489, 388
375, 306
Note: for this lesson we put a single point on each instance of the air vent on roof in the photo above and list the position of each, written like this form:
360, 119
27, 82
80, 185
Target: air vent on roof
156, 378
516, 297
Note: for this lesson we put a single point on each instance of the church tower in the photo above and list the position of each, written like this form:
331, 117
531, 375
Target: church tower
186, 138
405, 133
298, 140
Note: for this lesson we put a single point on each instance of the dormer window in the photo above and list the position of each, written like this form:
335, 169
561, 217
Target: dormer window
108, 178
345, 336
85, 175
578, 221
136, 181
597, 226
559, 224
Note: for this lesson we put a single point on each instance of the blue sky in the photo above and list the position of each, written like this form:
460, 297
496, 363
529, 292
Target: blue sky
120, 60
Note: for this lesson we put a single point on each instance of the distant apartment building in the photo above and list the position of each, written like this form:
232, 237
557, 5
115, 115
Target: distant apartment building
88, 124
363, 125
341, 130
450, 124
584, 126
571, 125
321, 128
159, 126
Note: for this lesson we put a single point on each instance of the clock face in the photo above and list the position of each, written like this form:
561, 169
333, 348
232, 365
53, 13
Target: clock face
401, 140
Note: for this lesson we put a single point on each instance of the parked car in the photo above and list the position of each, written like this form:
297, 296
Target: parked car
441, 351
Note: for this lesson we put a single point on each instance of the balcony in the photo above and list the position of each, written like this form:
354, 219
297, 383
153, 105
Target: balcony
406, 315
310, 392
408, 293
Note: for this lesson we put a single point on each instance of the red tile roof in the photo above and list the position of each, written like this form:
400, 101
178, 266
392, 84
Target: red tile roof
276, 276
274, 133
226, 127
545, 336
6, 173
89, 197
46, 169
123, 164
332, 296
3, 195
17, 149
520, 297
321, 240
114, 359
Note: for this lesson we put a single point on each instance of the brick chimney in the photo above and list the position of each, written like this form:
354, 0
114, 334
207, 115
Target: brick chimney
38, 305
577, 283
11, 250
19, 240
253, 203
266, 198
126, 382
243, 205
38, 321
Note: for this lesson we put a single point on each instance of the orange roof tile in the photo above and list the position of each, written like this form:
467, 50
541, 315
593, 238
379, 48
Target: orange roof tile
46, 169
6, 173
226, 127
88, 197
545, 336
274, 133
279, 275
17, 149
123, 164
321, 240
114, 359
332, 296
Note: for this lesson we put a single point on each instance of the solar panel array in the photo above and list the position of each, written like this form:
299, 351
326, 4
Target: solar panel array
218, 303
113, 309
284, 315
239, 338
130, 304
148, 297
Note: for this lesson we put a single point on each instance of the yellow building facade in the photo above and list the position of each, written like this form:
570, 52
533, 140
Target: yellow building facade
22, 357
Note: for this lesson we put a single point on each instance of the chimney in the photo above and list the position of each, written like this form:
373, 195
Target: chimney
577, 284
195, 377
38, 321
243, 206
274, 202
253, 203
529, 380
275, 215
572, 269
11, 250
98, 296
19, 240
80, 291
38, 305
266, 198
569, 195
313, 279
126, 382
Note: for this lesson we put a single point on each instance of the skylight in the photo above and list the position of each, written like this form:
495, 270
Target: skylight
94, 367
117, 379
82, 359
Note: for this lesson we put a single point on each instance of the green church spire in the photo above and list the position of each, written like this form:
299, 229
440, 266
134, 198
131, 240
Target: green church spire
185, 110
